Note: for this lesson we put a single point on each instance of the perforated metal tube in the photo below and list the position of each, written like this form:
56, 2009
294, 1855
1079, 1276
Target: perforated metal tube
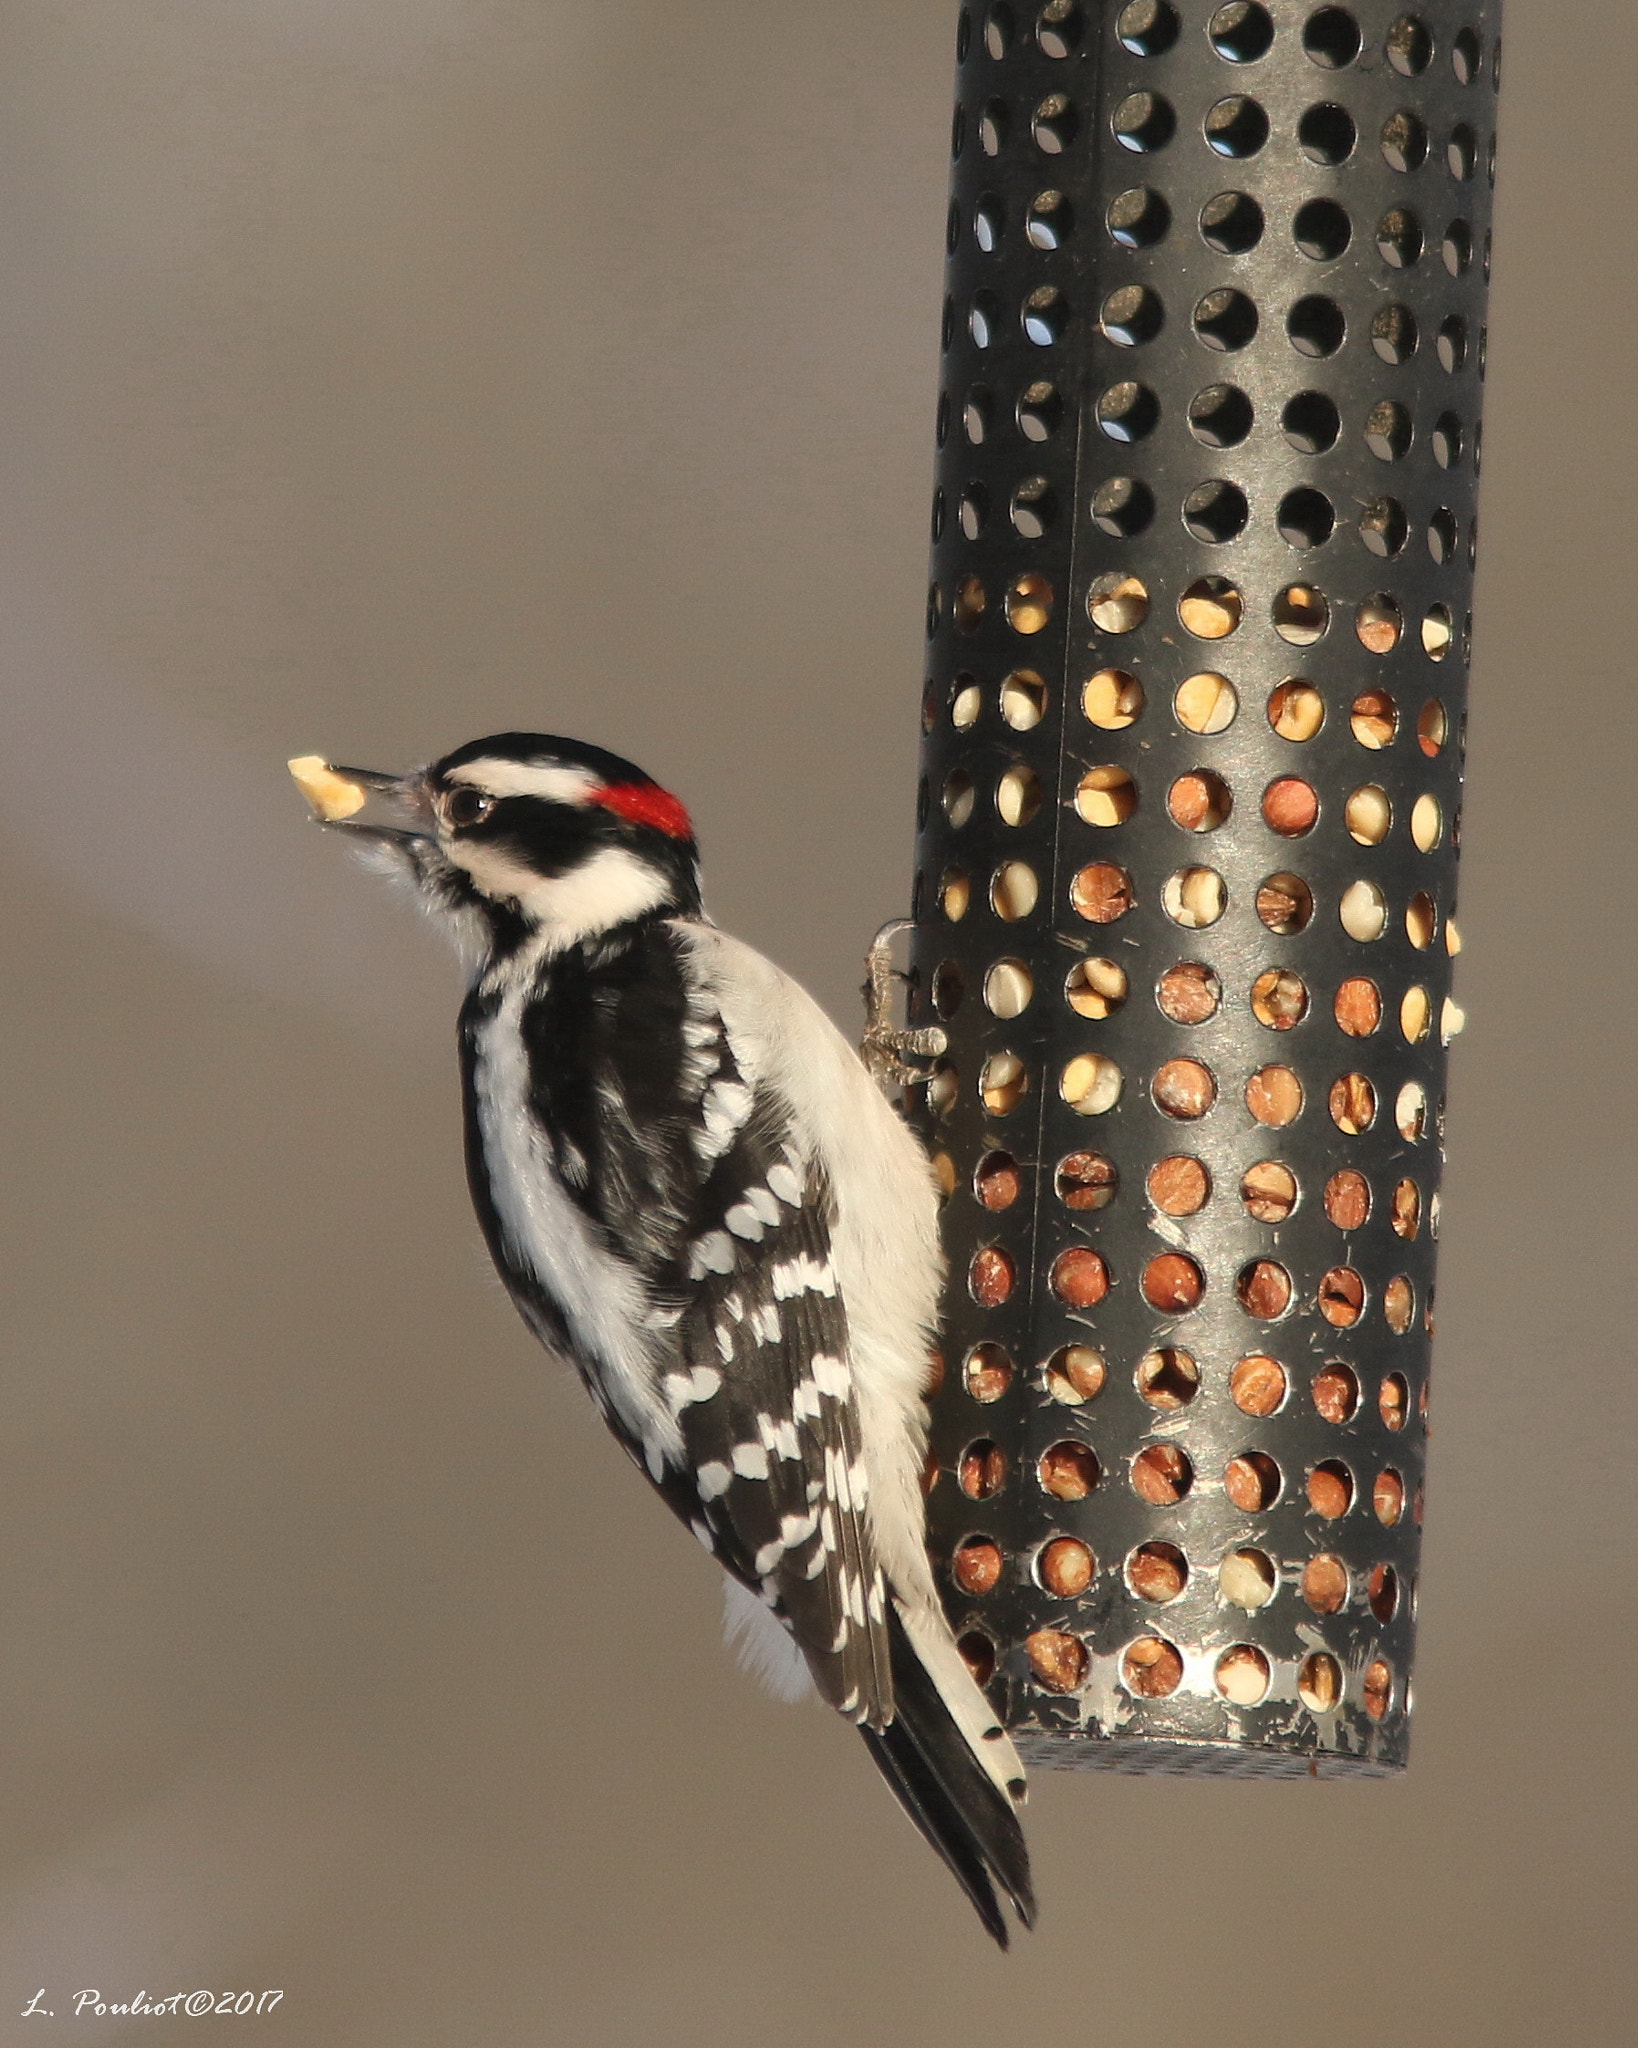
1199, 625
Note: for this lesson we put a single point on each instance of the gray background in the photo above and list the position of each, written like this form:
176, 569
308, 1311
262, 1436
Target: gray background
375, 373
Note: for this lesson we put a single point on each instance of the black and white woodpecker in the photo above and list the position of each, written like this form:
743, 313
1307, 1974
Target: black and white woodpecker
695, 1193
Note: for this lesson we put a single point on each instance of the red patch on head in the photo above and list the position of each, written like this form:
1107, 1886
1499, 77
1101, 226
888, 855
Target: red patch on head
645, 803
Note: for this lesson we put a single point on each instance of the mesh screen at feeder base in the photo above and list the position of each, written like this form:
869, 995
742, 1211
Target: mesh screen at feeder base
1208, 428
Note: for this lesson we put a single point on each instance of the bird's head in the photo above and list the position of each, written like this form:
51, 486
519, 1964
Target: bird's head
527, 835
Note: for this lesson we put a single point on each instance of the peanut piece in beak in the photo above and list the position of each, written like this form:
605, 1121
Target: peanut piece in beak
332, 796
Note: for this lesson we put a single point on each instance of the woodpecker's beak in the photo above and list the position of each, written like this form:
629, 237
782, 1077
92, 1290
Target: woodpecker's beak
392, 808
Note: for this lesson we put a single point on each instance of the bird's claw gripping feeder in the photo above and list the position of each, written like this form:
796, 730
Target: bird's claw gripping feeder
1198, 638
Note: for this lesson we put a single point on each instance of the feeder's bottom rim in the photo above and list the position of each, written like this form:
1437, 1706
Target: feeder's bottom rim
1144, 1757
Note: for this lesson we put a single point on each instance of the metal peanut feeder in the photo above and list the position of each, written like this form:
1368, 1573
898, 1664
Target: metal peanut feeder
1198, 632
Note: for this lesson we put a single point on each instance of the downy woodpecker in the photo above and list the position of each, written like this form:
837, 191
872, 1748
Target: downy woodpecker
696, 1195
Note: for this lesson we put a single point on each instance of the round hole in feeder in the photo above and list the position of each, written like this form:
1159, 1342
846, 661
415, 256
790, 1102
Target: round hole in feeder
1399, 1304
1241, 32
957, 797
1231, 223
1301, 615
1057, 1660
966, 702
1028, 602
1330, 1489
970, 604
1374, 719
1296, 710
948, 988
1388, 1498
1353, 1104
1189, 992
1405, 1212
1331, 38
1285, 904
1466, 56
1117, 604
1368, 815
978, 1654
1033, 508
1247, 1578
1322, 230
1404, 141
991, 1276
1363, 911
1336, 1391
1085, 1181
982, 1469
1131, 316
1236, 127
1258, 1385
1420, 920
1178, 1185
1023, 699
976, 1565
1325, 1583
1378, 1689
998, 32
1147, 28
1096, 988
1415, 1014
1157, 1573
1173, 1284
1137, 219
1101, 892
1003, 1083
1444, 536
1090, 1084
1220, 416
1206, 703
1252, 1482
1127, 412
1040, 411
1194, 897
1080, 1277
1225, 320
1306, 518
1279, 999
1399, 238
989, 221
1014, 890
1049, 221
1411, 1111
1241, 1675
997, 1181
1358, 1007
1152, 1668
1008, 989
1431, 728
1394, 333
943, 1088
1269, 1191
1044, 315
1319, 1683
1059, 28
954, 894
1064, 1567
1388, 431
1068, 1470
993, 123
1393, 1401
1316, 326
1168, 1378
1162, 1475
1054, 124
1075, 1374
1341, 1297
1410, 47
1112, 699
1274, 1097
1348, 1199
1311, 423
1290, 807
1384, 528
1326, 134
1427, 824
1018, 795
1216, 512
1199, 801
1106, 796
1143, 122
1452, 351
1263, 1289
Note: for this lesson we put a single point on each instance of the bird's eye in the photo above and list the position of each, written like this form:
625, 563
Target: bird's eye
466, 806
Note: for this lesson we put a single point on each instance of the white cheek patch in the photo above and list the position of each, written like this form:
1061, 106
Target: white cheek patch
612, 887
549, 779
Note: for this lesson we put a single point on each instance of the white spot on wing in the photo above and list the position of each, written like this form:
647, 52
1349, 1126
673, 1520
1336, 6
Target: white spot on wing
712, 1479
801, 1275
750, 1461
713, 1253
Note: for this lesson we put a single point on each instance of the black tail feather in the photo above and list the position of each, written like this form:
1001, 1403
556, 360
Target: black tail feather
949, 1795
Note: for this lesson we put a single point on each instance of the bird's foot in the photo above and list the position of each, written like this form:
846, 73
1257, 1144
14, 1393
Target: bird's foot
887, 1048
